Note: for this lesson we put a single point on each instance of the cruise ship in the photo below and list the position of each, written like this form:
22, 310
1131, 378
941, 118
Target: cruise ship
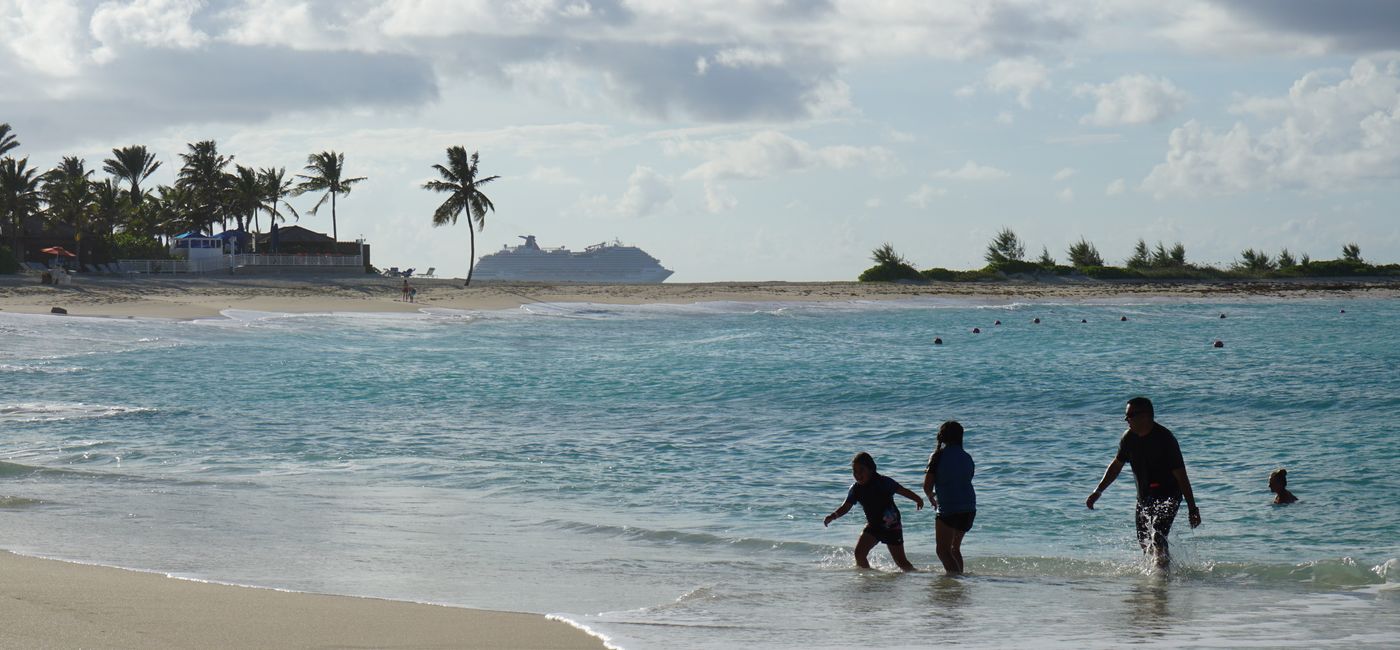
602, 263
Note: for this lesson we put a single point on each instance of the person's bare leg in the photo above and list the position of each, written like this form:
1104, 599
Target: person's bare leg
897, 552
943, 534
863, 546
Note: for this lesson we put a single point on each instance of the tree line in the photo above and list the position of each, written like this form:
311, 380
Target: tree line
124, 218
1006, 255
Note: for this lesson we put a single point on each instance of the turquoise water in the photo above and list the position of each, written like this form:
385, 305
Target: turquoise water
659, 473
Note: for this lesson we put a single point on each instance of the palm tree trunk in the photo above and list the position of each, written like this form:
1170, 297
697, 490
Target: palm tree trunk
471, 261
334, 234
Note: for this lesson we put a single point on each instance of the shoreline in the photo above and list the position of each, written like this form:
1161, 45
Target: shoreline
55, 603
185, 298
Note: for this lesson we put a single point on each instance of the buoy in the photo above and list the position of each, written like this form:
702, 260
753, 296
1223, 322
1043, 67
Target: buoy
976, 331
1222, 315
1083, 321
997, 323
937, 341
1219, 343
1344, 311
1123, 319
1036, 321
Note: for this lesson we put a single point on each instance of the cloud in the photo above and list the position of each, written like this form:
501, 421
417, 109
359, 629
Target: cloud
769, 153
1132, 99
971, 171
647, 193
1118, 186
47, 35
1065, 195
1020, 76
1350, 26
1064, 174
552, 176
925, 195
148, 23
1324, 136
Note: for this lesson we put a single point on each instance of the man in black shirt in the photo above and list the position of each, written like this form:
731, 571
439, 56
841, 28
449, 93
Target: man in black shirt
1161, 477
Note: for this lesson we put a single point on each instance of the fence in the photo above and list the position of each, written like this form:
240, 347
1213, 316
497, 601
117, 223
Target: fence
229, 263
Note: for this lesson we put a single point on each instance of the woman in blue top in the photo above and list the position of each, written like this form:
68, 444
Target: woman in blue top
948, 484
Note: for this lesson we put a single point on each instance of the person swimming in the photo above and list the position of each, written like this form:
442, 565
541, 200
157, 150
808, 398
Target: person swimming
1278, 484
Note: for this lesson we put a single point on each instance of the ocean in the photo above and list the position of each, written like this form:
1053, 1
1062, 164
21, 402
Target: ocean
658, 474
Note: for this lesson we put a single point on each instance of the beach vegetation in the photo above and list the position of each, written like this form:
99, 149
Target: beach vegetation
1005, 247
327, 174
1252, 261
1286, 260
1045, 259
20, 198
7, 139
1084, 254
132, 165
245, 196
890, 266
68, 193
203, 177
8, 262
276, 187
1352, 253
460, 179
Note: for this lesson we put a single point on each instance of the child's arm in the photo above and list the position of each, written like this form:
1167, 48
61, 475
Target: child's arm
909, 494
928, 490
838, 513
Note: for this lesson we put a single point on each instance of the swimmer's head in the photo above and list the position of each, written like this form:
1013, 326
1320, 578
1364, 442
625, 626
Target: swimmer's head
1278, 480
863, 467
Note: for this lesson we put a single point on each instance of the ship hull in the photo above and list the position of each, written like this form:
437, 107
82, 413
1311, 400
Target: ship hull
604, 265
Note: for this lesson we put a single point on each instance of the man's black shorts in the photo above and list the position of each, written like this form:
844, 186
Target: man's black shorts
960, 521
885, 535
1154, 520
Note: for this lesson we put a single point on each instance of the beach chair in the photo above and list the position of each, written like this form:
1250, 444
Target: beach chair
429, 273
37, 267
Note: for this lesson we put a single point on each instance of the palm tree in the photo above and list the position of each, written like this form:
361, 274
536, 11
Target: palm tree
1005, 247
276, 187
7, 138
203, 176
111, 206
132, 165
20, 198
68, 191
460, 181
245, 195
326, 169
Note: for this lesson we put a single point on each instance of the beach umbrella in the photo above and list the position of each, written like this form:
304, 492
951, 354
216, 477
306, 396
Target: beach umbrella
58, 250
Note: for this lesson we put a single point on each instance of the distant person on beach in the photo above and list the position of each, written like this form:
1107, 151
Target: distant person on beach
948, 485
1278, 484
404, 291
1160, 472
875, 493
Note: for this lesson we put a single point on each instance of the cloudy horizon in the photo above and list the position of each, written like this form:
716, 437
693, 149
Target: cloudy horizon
757, 140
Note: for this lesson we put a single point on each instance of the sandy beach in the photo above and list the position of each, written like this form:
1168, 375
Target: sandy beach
206, 297
51, 604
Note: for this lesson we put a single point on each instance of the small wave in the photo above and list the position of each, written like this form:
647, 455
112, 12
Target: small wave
662, 536
57, 412
17, 503
39, 369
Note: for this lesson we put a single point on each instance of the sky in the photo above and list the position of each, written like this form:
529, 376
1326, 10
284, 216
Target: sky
750, 141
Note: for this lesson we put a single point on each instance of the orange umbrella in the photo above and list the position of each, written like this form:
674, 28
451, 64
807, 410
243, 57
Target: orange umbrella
58, 250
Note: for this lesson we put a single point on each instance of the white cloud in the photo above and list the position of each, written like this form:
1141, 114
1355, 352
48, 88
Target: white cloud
1066, 195
1005, 117
1064, 174
275, 22
925, 195
1132, 99
1020, 76
1324, 136
45, 34
873, 202
647, 192
552, 176
769, 153
748, 57
149, 23
971, 171
1115, 188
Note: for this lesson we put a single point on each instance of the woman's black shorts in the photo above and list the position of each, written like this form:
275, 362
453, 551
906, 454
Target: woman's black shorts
960, 521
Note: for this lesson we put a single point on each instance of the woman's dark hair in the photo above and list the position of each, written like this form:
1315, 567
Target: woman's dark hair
950, 434
864, 459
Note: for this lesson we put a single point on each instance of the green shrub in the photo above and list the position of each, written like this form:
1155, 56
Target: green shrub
130, 246
1011, 267
1111, 273
8, 262
890, 273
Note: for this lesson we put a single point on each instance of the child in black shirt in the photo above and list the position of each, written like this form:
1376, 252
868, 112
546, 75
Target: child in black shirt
875, 492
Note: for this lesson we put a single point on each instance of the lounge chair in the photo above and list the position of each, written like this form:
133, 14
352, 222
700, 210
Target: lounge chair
429, 273
37, 267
